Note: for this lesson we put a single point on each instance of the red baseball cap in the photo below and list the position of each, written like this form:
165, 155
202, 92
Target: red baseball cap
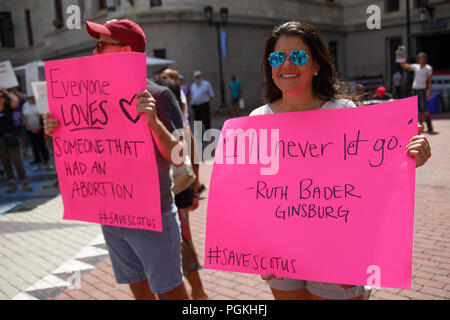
381, 90
125, 30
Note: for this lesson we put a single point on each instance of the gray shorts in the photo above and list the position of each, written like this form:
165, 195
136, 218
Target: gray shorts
321, 289
138, 254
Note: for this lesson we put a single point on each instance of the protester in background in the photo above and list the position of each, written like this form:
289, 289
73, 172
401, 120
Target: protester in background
421, 86
201, 95
33, 123
149, 261
20, 127
183, 86
9, 141
381, 94
235, 87
397, 80
173, 74
299, 76
187, 200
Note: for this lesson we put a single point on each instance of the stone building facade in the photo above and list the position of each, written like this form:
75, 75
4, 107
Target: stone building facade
176, 30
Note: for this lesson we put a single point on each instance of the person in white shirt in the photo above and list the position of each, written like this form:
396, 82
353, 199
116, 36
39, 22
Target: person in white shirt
202, 94
422, 86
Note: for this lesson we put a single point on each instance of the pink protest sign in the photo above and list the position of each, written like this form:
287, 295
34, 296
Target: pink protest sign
323, 195
104, 153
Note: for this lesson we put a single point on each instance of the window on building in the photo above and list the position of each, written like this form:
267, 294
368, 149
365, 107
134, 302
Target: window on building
392, 5
101, 4
6, 30
155, 3
159, 53
29, 27
418, 3
59, 16
332, 49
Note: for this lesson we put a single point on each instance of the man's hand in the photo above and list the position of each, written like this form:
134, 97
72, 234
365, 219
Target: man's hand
419, 148
50, 124
147, 104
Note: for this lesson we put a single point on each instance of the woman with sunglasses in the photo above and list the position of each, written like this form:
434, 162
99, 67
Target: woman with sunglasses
298, 76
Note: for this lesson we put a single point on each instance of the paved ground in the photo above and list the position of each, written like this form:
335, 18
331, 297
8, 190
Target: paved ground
45, 257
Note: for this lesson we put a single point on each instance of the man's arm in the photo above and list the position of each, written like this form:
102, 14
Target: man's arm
165, 141
13, 97
406, 66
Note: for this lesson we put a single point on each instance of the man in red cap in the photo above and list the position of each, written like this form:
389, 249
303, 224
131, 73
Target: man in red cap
381, 94
149, 261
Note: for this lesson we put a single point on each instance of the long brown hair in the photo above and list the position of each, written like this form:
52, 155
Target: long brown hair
325, 85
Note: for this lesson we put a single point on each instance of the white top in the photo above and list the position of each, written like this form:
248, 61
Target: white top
421, 75
185, 114
330, 104
31, 114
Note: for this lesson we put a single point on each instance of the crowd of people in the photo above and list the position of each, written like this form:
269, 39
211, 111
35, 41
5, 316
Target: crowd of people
298, 75
21, 129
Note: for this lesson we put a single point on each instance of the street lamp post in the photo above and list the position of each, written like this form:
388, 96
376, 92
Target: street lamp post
208, 11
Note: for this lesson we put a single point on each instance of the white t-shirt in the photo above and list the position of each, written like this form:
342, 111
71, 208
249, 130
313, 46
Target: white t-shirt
185, 114
31, 114
330, 104
421, 75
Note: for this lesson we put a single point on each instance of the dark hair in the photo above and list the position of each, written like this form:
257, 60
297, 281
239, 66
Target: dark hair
325, 85
422, 54
172, 85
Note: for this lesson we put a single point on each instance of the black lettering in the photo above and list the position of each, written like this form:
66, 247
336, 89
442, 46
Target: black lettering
291, 144
349, 192
58, 151
311, 148
309, 183
52, 82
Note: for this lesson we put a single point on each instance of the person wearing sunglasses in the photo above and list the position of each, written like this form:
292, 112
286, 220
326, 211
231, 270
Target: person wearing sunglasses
149, 261
298, 76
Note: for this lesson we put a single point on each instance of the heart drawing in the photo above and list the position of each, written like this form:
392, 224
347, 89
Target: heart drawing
125, 111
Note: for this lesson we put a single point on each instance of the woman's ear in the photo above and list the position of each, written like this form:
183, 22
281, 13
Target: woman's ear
316, 68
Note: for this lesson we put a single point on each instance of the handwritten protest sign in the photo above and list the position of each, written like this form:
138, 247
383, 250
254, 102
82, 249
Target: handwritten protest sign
8, 78
39, 90
31, 75
323, 195
104, 153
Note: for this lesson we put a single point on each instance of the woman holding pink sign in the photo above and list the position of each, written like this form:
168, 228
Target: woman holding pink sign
299, 76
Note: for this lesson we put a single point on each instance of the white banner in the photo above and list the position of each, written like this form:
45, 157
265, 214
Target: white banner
31, 75
40, 95
8, 78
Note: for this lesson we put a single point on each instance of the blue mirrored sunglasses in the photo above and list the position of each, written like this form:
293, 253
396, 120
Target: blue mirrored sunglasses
299, 57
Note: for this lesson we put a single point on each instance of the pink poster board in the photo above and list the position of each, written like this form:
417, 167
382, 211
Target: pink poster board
104, 152
338, 207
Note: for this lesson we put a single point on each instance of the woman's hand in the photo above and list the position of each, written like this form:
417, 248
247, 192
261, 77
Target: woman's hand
419, 148
194, 203
50, 124
147, 104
